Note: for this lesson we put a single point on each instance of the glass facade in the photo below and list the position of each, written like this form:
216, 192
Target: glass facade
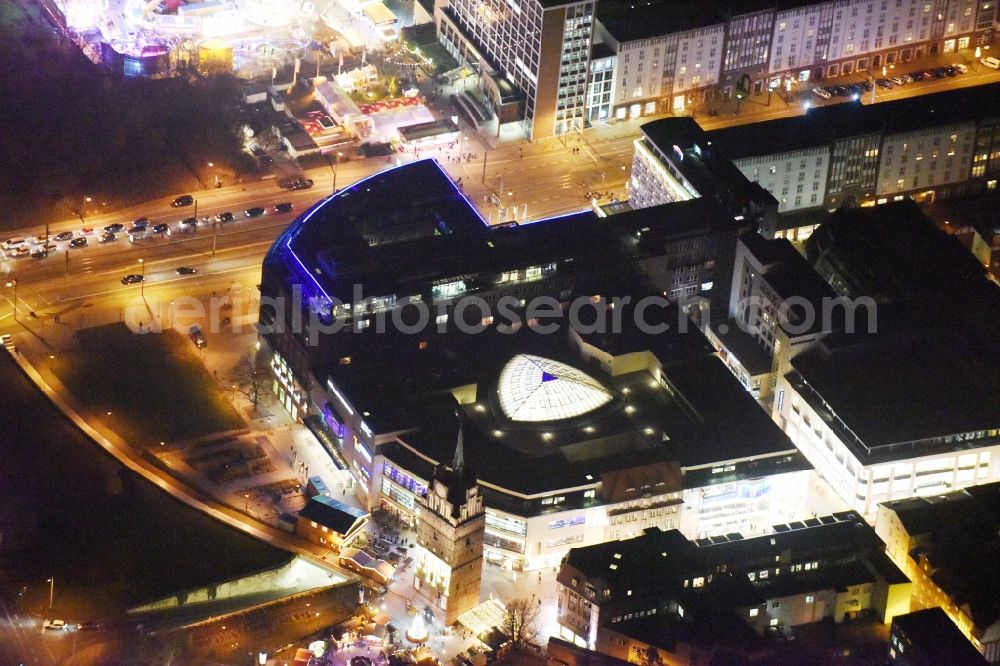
508, 35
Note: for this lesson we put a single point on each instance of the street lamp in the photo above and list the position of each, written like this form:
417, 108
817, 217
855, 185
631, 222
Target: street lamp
142, 282
336, 163
218, 183
246, 502
13, 283
52, 587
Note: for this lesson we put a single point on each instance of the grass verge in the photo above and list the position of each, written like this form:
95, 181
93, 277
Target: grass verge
153, 385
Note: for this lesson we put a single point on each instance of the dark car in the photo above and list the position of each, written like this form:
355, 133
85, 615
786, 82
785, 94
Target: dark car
190, 221
115, 228
78, 242
839, 91
187, 270
226, 217
183, 200
884, 83
256, 211
284, 207
132, 278
90, 626
136, 230
301, 184
107, 238
64, 236
197, 337
161, 228
141, 223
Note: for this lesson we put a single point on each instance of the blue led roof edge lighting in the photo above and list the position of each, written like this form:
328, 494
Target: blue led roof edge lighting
303, 221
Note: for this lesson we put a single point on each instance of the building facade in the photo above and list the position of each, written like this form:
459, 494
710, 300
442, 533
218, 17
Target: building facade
939, 542
750, 47
539, 47
659, 589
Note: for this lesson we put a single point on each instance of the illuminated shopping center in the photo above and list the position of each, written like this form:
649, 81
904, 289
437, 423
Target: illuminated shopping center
578, 435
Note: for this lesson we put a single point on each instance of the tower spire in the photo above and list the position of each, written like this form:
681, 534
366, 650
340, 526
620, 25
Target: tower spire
458, 462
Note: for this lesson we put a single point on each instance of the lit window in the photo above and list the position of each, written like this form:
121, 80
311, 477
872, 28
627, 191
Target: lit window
754, 612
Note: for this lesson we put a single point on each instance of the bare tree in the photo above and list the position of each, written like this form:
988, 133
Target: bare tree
75, 205
520, 621
250, 376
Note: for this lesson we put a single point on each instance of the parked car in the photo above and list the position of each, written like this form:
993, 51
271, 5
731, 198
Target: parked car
839, 91
225, 217
183, 200
187, 270
197, 337
78, 242
822, 93
959, 67
991, 62
256, 211
64, 236
898, 80
115, 228
284, 207
884, 83
190, 221
132, 278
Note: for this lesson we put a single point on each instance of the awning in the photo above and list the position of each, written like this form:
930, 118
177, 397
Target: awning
487, 615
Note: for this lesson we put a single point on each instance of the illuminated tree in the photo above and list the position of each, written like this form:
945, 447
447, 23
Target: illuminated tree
520, 621
251, 376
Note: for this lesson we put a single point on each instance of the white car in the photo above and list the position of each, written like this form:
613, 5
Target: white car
822, 93
54, 624
991, 62
960, 67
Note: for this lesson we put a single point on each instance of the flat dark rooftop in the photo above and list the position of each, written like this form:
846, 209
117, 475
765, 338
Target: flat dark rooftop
709, 169
824, 125
924, 380
936, 640
741, 344
895, 252
628, 20
709, 418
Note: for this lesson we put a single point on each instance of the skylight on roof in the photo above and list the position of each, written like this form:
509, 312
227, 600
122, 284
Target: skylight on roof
532, 388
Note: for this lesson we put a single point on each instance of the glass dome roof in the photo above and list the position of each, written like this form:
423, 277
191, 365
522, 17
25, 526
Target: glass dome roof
532, 388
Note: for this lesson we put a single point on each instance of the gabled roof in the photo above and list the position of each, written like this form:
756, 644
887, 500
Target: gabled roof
328, 512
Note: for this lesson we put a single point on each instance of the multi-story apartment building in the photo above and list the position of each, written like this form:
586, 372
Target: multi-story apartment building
540, 48
661, 593
661, 54
778, 306
749, 46
929, 638
924, 147
944, 543
675, 160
